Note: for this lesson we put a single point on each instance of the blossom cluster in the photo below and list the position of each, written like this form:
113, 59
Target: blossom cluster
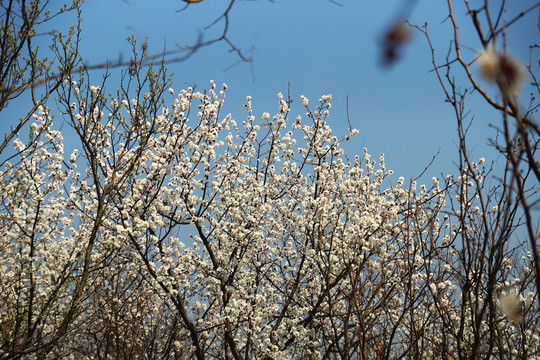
194, 235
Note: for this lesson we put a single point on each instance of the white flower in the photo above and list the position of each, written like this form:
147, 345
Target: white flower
489, 65
95, 90
511, 306
73, 156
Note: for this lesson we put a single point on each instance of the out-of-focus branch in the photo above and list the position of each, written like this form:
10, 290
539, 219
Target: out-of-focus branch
465, 65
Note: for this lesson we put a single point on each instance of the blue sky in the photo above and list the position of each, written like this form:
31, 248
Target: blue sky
319, 48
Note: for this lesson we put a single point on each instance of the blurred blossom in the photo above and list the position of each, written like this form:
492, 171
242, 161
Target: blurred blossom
503, 68
511, 306
513, 73
488, 62
395, 38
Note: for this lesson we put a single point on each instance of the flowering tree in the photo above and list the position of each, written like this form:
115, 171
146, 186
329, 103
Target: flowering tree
173, 230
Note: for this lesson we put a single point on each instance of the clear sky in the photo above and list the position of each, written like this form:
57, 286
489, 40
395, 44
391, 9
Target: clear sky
319, 48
